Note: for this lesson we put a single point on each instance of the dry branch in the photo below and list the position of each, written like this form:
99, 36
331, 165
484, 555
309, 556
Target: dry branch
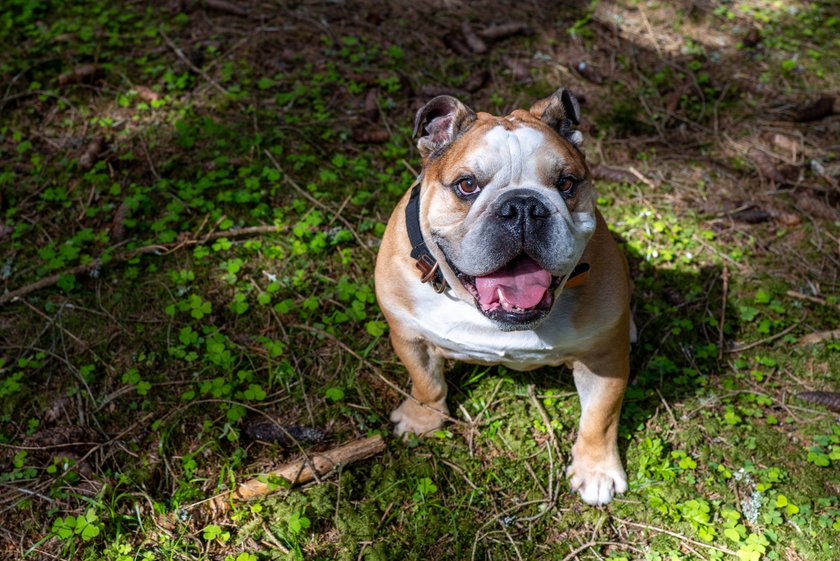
300, 471
131, 254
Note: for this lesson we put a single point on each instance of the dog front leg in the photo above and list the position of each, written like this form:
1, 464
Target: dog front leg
424, 411
596, 471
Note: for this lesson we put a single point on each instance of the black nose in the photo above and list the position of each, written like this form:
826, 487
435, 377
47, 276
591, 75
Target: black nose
522, 209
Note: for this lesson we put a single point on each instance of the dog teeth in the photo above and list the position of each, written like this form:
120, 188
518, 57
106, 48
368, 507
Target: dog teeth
506, 305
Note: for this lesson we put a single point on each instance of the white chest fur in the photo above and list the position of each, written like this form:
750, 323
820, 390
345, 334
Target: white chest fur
463, 333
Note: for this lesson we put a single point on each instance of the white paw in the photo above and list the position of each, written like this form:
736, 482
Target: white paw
412, 417
597, 484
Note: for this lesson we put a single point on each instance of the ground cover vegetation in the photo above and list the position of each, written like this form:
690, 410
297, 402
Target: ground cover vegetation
191, 198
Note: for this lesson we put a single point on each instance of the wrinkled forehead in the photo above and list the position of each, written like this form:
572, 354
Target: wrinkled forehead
497, 141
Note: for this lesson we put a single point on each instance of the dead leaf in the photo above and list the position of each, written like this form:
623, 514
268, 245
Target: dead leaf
752, 38
371, 135
786, 143
474, 42
91, 154
518, 68
455, 44
226, 8
118, 225
371, 107
815, 111
815, 207
505, 30
588, 72
146, 94
431, 90
765, 166
784, 217
476, 81
752, 215
79, 74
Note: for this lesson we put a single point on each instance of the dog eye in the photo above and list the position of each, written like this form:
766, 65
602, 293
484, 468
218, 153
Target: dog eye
467, 186
566, 184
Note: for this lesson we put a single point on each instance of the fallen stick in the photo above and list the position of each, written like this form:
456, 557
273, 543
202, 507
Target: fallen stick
298, 472
126, 255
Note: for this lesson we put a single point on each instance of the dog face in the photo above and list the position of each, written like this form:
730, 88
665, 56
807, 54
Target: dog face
508, 201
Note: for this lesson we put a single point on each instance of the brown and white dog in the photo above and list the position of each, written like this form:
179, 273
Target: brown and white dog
497, 255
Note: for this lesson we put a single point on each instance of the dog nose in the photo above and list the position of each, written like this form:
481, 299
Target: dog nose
522, 209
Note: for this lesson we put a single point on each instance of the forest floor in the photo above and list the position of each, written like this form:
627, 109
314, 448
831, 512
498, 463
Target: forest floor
192, 194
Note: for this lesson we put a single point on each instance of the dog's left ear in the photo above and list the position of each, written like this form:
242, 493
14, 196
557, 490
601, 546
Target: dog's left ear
438, 122
560, 111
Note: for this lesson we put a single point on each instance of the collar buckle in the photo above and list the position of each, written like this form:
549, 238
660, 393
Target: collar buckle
430, 269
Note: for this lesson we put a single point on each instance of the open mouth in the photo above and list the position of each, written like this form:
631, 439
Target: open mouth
520, 292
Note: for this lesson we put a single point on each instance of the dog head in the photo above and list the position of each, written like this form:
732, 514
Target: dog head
507, 201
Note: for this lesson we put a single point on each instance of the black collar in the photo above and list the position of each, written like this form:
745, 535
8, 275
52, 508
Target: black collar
426, 262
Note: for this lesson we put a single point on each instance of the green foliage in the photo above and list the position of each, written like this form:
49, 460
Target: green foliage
170, 352
86, 526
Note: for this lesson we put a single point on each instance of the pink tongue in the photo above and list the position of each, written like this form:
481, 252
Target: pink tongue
523, 283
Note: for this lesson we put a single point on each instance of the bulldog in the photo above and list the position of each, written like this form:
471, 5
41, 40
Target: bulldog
498, 255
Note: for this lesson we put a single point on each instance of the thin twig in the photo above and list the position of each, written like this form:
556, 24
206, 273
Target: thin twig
302, 192
738, 349
574, 553
189, 63
814, 299
552, 445
161, 249
674, 423
676, 535
723, 311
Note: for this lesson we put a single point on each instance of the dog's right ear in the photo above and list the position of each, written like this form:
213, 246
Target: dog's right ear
439, 121
560, 111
